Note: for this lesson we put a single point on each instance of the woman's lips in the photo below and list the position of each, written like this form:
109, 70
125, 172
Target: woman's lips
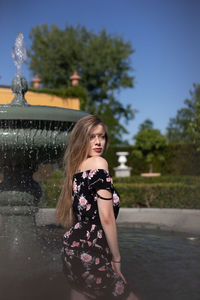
97, 150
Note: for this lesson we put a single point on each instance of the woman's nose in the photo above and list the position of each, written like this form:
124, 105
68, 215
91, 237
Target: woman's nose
97, 140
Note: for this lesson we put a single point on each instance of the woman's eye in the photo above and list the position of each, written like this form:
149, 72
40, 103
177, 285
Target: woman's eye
92, 137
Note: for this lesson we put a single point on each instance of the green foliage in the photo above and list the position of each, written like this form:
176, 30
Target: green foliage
195, 122
161, 192
51, 194
189, 180
185, 127
146, 124
149, 144
102, 60
160, 195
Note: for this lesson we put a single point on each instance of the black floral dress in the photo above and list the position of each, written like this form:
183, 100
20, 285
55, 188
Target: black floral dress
86, 255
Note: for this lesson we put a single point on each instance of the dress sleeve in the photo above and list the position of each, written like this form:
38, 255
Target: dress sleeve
100, 179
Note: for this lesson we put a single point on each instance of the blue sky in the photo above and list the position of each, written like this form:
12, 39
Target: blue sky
164, 34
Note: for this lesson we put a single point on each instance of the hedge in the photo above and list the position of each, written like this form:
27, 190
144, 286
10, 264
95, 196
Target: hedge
160, 195
170, 192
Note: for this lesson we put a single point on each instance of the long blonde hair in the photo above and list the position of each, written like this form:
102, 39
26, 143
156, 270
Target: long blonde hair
76, 152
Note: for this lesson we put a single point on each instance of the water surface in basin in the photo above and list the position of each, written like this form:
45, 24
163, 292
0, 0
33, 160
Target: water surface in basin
160, 265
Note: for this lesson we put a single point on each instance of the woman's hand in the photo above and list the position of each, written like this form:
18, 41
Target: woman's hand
117, 268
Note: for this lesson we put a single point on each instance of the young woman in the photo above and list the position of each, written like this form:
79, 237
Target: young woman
88, 206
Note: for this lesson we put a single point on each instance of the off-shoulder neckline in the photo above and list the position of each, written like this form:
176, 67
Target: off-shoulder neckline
89, 170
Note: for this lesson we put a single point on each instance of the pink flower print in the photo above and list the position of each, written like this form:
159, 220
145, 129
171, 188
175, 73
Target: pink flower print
84, 175
89, 243
82, 201
108, 179
119, 288
91, 173
108, 275
99, 234
77, 225
75, 244
93, 227
115, 198
88, 207
103, 268
86, 257
74, 186
90, 277
98, 280
69, 252
67, 234
97, 260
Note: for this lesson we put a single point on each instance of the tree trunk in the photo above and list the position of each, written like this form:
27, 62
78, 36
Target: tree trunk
151, 167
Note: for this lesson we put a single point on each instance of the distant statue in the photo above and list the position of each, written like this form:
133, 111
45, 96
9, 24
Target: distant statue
122, 170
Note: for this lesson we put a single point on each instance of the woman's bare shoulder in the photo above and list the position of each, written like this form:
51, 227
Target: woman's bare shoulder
96, 162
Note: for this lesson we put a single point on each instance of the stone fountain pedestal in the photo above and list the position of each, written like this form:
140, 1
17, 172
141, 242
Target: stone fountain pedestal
28, 270
122, 170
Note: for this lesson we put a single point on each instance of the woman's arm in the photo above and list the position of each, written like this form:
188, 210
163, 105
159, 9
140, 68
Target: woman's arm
108, 223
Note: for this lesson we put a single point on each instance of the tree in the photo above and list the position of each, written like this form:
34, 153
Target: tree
195, 121
185, 126
102, 61
149, 144
146, 124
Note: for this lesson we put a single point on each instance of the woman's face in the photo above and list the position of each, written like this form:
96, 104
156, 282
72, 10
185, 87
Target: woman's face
97, 141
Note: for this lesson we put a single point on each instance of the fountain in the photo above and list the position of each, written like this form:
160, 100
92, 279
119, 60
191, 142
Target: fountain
30, 135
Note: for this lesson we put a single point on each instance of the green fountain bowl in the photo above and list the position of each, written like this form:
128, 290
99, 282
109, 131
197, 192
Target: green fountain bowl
31, 132
39, 112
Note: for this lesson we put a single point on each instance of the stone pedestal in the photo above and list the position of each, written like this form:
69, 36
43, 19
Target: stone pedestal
122, 170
